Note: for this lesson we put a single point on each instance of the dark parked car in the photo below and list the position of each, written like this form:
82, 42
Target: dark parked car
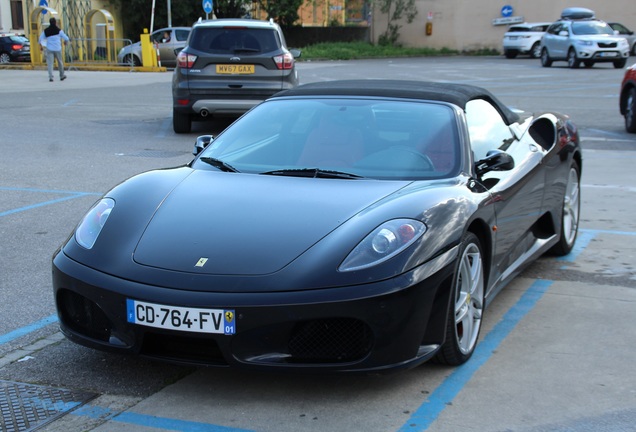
229, 66
169, 41
14, 48
338, 226
628, 99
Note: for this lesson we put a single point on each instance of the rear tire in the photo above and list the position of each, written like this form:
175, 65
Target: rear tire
535, 51
630, 111
181, 123
466, 304
546, 61
570, 212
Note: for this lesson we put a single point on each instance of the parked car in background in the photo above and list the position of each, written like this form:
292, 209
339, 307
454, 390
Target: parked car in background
524, 38
169, 42
14, 48
229, 66
627, 34
578, 37
628, 99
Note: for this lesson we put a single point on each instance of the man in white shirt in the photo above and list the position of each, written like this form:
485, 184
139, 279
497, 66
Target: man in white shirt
52, 38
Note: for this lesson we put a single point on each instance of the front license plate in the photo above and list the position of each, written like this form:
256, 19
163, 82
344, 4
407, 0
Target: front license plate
219, 321
608, 54
234, 69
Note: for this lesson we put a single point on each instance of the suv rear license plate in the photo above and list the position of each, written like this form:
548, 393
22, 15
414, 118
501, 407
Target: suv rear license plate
219, 321
234, 69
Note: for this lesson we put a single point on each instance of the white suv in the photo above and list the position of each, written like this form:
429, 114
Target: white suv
578, 38
524, 39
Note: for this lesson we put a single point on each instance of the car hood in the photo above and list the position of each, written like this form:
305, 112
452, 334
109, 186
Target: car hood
245, 224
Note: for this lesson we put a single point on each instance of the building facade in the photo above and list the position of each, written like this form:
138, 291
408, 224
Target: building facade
480, 24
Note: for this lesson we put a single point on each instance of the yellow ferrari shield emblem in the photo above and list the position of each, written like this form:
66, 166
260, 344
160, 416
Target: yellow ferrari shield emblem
229, 316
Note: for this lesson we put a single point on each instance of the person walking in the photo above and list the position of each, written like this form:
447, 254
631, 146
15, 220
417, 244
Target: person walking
51, 39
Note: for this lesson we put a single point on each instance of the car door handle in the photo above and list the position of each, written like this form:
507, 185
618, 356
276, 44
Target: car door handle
235, 86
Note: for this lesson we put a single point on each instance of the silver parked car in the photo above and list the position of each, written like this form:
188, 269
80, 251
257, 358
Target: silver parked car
524, 38
169, 42
578, 37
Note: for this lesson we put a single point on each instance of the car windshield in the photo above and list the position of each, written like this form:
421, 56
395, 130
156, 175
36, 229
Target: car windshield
233, 40
591, 28
353, 137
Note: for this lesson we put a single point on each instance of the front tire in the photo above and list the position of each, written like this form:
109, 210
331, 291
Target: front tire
570, 213
620, 64
181, 123
630, 111
573, 61
466, 304
546, 61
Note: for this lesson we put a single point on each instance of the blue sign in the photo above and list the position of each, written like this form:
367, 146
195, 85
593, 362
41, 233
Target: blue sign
506, 11
43, 3
207, 6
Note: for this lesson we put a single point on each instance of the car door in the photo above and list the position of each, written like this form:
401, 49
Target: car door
517, 194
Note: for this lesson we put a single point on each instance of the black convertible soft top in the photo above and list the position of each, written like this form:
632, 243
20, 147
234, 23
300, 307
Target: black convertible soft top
457, 94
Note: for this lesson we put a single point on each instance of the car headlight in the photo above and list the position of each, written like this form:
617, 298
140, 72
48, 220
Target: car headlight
386, 241
584, 43
88, 230
623, 43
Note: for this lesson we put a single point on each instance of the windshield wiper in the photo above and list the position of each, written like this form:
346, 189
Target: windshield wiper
313, 172
218, 163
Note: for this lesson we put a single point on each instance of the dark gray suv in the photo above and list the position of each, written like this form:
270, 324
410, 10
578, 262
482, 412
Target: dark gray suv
227, 67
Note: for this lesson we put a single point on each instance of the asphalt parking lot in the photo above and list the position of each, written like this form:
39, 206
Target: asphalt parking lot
555, 354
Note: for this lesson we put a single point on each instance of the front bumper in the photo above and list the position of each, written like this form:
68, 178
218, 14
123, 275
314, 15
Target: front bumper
601, 56
392, 324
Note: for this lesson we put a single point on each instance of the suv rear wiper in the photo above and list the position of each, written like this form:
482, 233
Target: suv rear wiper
217, 163
313, 172
240, 50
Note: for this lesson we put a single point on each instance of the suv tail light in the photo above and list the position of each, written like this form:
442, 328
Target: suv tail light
284, 61
186, 60
16, 47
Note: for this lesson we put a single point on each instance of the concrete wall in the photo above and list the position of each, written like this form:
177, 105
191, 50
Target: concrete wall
468, 25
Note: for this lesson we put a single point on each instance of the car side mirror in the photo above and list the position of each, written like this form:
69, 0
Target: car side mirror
295, 52
202, 142
495, 160
563, 33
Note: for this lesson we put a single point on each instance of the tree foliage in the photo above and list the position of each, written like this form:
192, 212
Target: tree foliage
395, 11
284, 12
136, 14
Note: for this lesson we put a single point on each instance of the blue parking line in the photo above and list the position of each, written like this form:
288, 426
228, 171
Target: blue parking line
443, 395
146, 420
71, 195
6, 338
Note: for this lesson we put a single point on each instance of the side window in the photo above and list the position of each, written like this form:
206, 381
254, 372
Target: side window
486, 128
554, 29
182, 35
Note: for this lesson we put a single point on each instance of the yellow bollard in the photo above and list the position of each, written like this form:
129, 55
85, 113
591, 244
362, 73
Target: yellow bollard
148, 51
